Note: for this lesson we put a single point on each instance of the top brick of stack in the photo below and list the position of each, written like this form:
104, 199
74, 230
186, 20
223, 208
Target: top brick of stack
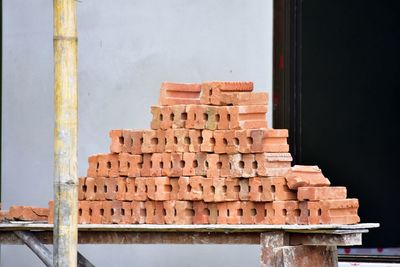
211, 93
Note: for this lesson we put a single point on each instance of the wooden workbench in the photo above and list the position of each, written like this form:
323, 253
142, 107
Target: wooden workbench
281, 245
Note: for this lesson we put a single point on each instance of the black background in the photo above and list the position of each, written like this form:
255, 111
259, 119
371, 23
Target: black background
350, 101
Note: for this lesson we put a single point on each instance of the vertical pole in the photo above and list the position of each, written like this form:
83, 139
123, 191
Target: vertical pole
65, 134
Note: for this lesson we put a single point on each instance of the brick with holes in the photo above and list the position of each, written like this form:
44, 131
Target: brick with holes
225, 170
156, 164
159, 188
145, 168
256, 189
211, 92
121, 188
83, 212
243, 141
130, 189
339, 211
286, 212
270, 189
196, 188
301, 175
195, 140
132, 141
310, 212
249, 212
214, 189
138, 212
273, 164
111, 188
167, 118
107, 210
264, 213
92, 168
184, 188
179, 116
181, 140
135, 164
156, 117
201, 212
244, 189
248, 117
229, 212
189, 169
89, 186
249, 165
179, 93
232, 189
170, 140
117, 141
200, 164
223, 118
178, 212
154, 212
269, 140
116, 212
236, 164
123, 162
140, 189
211, 118
126, 212
321, 193
208, 141
96, 211
106, 165
213, 165
173, 164
81, 188
153, 141
196, 116
221, 141
244, 98
99, 188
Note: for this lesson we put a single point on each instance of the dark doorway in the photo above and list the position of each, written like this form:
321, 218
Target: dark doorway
346, 102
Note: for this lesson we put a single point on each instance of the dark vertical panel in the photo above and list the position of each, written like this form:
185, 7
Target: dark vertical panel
287, 75
350, 95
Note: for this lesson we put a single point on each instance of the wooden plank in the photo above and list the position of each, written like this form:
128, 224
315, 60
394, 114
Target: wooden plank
350, 239
191, 228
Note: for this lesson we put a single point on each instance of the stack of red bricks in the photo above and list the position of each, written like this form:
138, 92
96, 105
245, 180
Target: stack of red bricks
209, 158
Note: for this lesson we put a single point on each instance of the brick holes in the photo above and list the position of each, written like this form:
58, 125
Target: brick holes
253, 212
236, 188
195, 163
249, 140
219, 165
172, 116
254, 165
84, 188
273, 189
175, 140
101, 211
186, 141
217, 117
121, 140
200, 140
224, 188
154, 141
236, 141
225, 141
184, 116
241, 164
319, 212
205, 116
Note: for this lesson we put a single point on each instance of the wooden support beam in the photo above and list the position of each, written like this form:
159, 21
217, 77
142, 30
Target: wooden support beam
65, 134
36, 246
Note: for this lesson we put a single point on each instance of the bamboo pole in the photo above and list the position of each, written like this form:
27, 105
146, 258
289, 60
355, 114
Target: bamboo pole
65, 134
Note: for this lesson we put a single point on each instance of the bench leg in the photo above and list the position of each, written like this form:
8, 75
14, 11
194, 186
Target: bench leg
276, 251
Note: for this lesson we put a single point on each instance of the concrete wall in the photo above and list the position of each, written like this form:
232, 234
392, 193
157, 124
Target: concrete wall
126, 49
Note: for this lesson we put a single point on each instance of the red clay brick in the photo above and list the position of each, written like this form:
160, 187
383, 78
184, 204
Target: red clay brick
244, 98
340, 211
249, 212
156, 164
200, 164
89, 186
182, 139
243, 140
300, 175
103, 165
81, 188
208, 141
286, 212
189, 168
273, 164
211, 92
107, 212
223, 118
173, 164
269, 140
111, 188
121, 188
138, 212
145, 167
50, 219
244, 191
195, 140
154, 212
135, 163
232, 189
249, 165
162, 117
140, 189
126, 213
179, 115
270, 189
321, 193
178, 212
201, 212
236, 165
95, 212
117, 141
179, 93
28, 213
213, 165
153, 141
158, 188
248, 117
211, 118
133, 141
196, 116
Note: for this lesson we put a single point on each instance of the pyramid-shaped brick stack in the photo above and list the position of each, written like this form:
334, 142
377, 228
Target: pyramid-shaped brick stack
209, 158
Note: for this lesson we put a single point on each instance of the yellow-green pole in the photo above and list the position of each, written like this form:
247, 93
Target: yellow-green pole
65, 134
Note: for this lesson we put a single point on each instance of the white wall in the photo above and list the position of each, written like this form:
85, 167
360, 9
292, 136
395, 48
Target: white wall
126, 49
